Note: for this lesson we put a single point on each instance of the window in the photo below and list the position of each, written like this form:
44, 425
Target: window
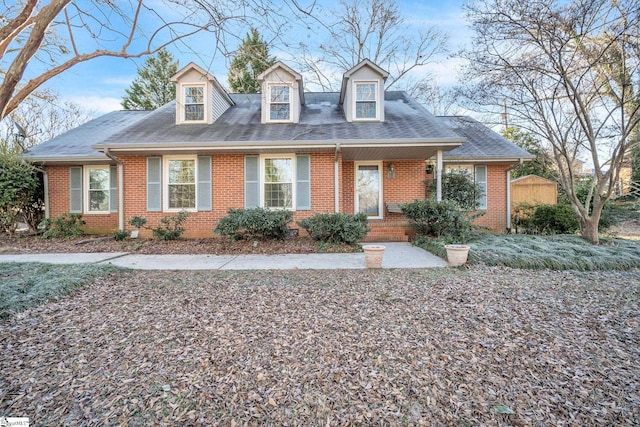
479, 175
279, 103
277, 182
194, 103
180, 176
97, 180
366, 103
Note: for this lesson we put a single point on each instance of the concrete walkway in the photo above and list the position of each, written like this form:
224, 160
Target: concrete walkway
396, 255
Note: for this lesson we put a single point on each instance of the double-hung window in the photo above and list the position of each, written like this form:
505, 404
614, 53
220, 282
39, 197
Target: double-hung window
180, 177
279, 103
193, 103
478, 174
97, 182
278, 182
366, 100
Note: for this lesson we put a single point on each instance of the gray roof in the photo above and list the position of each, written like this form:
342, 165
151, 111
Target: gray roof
321, 119
76, 144
482, 143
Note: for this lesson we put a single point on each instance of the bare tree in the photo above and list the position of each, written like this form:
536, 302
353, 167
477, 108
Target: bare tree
41, 39
569, 72
41, 116
360, 29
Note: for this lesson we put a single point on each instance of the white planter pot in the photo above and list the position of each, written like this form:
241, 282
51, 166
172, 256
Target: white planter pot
457, 254
373, 255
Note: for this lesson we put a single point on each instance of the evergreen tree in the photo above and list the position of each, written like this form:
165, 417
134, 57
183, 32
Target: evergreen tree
153, 87
542, 165
251, 60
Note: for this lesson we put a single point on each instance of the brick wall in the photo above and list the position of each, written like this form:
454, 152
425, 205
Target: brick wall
228, 191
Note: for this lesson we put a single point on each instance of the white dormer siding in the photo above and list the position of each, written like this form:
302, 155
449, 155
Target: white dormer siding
200, 99
282, 94
362, 93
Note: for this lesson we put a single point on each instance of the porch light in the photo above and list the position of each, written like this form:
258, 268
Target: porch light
391, 171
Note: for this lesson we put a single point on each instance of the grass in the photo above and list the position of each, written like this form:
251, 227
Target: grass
26, 285
559, 252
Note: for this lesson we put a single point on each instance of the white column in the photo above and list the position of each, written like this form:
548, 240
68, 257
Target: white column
508, 199
120, 196
336, 179
439, 175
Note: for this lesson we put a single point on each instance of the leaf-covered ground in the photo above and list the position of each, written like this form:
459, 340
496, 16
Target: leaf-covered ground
478, 346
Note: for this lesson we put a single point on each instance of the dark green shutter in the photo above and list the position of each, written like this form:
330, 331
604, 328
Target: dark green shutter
251, 182
113, 188
204, 183
75, 189
154, 184
303, 182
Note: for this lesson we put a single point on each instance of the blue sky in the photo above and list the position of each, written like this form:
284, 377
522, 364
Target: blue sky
99, 85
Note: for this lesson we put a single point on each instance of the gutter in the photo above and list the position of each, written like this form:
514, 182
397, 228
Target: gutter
120, 188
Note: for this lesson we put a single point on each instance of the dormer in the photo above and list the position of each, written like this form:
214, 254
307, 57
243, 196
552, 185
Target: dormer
200, 99
362, 93
282, 94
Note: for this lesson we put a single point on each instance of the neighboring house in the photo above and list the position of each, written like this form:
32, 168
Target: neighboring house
358, 150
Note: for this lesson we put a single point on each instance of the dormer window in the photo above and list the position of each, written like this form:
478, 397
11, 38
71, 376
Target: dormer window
194, 103
366, 102
279, 103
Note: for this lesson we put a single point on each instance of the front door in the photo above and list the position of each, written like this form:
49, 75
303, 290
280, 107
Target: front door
368, 191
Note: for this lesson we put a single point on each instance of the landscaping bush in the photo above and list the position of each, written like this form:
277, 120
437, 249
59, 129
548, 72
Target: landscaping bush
121, 235
336, 227
21, 191
554, 219
458, 186
432, 218
66, 226
170, 227
255, 223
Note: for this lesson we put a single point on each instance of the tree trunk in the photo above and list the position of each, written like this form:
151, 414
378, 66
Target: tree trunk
589, 226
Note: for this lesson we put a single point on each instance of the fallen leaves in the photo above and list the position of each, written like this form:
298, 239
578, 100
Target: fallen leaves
483, 346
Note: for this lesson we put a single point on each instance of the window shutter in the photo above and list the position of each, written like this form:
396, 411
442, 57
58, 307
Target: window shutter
251, 182
204, 183
481, 181
303, 182
154, 184
75, 189
113, 188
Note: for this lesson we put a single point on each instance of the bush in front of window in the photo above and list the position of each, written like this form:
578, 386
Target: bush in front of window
255, 223
458, 186
66, 226
336, 227
440, 219
170, 227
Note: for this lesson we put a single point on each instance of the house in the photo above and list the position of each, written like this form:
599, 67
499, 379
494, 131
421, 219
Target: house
358, 150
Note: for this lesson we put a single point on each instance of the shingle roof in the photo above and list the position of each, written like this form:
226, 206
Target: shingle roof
77, 143
321, 119
482, 143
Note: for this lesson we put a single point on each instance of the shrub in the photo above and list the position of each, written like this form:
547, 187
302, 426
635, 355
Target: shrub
432, 218
554, 219
66, 226
170, 227
138, 221
21, 190
255, 223
458, 186
121, 235
336, 227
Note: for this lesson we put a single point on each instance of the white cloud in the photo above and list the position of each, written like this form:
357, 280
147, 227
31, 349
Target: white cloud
97, 105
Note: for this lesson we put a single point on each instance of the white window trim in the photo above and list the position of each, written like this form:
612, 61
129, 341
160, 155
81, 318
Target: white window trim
355, 101
293, 178
165, 183
205, 100
268, 102
86, 190
355, 189
471, 168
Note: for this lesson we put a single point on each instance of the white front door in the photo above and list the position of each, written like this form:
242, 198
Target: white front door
368, 189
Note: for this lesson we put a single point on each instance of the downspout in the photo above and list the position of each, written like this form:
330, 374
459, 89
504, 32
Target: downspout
120, 188
336, 178
508, 201
439, 175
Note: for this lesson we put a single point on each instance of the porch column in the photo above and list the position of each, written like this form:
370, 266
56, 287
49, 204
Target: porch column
439, 176
336, 179
120, 196
508, 200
